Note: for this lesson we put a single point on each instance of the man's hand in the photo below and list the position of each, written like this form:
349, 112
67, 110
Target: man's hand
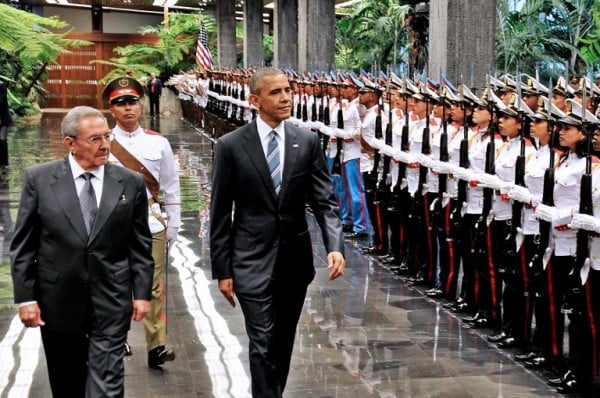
226, 287
335, 264
31, 316
140, 309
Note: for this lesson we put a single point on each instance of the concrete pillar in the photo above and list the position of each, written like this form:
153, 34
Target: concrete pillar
461, 40
253, 33
285, 17
316, 35
226, 33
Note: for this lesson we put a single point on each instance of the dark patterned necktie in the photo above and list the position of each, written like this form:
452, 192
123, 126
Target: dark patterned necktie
87, 201
274, 162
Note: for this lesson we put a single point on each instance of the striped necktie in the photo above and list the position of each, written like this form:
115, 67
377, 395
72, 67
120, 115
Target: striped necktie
274, 161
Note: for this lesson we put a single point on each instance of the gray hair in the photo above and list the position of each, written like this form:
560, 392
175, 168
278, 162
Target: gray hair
256, 81
70, 123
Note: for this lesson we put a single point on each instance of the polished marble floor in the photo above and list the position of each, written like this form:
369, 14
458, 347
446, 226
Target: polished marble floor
368, 334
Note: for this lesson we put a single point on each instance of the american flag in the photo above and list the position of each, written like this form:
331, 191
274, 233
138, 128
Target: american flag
203, 57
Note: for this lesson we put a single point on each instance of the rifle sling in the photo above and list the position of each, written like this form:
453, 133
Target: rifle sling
132, 163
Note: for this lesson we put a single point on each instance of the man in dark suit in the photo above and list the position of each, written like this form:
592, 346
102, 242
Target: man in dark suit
154, 93
81, 261
264, 252
5, 121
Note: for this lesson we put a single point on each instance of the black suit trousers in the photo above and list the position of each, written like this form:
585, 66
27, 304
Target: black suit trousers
271, 321
66, 360
84, 365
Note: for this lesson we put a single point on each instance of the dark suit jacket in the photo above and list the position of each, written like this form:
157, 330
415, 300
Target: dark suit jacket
268, 236
5, 118
55, 263
157, 87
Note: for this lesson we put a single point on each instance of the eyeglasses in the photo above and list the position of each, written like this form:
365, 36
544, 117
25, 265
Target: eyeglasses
96, 140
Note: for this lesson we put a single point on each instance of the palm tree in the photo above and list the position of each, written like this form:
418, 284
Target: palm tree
375, 33
544, 34
27, 47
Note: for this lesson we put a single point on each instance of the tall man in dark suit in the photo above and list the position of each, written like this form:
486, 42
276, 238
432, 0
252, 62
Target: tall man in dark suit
154, 93
81, 262
263, 175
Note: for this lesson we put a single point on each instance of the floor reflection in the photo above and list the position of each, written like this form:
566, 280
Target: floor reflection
366, 335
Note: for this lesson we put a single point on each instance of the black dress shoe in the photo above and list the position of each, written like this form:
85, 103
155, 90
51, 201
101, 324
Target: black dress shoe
536, 362
158, 356
558, 381
347, 228
127, 348
462, 308
508, 342
496, 338
472, 319
569, 387
358, 235
434, 293
390, 260
373, 251
483, 322
528, 356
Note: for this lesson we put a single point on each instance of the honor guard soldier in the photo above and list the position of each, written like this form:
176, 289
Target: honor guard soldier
149, 153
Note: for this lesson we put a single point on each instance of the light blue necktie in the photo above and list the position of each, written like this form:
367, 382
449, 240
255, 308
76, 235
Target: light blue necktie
87, 201
273, 161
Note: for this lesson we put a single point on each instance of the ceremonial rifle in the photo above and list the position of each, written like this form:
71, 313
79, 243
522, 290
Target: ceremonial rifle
336, 168
573, 294
425, 150
382, 184
394, 204
545, 227
488, 193
444, 157
463, 161
326, 116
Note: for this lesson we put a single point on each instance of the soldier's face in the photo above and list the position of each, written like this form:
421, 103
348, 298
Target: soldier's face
569, 136
481, 116
539, 130
509, 126
127, 114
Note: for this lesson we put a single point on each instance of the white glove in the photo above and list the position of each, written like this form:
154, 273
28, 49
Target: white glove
520, 194
387, 150
489, 181
403, 157
442, 167
424, 160
172, 234
585, 221
464, 174
546, 213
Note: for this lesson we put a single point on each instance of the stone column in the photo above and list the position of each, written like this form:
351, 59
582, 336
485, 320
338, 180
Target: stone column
253, 33
285, 17
226, 33
461, 40
316, 35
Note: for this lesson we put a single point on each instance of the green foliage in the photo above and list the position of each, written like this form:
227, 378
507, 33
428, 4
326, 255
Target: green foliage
28, 45
546, 34
173, 51
590, 50
372, 35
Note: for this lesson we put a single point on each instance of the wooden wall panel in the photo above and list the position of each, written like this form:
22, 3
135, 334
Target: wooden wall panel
74, 81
